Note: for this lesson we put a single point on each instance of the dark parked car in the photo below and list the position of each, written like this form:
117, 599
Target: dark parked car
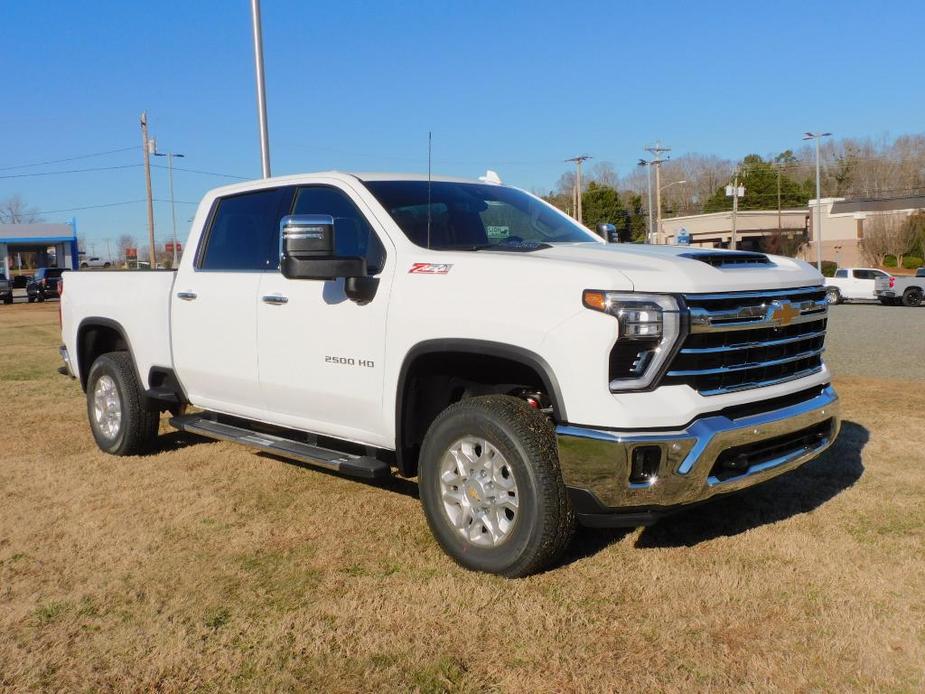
44, 284
6, 290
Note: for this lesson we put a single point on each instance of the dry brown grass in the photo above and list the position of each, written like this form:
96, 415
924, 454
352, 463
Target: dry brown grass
209, 567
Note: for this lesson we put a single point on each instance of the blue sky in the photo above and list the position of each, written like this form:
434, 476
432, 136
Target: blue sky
513, 86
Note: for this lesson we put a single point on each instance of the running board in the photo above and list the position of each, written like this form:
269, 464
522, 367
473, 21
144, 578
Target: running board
337, 461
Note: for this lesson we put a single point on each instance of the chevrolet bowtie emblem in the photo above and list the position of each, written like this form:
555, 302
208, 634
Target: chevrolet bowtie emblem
782, 312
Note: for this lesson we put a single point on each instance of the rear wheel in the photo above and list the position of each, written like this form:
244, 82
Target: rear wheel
833, 296
491, 487
122, 421
8, 299
912, 297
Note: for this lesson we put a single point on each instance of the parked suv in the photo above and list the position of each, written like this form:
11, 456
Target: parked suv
6, 290
44, 284
93, 262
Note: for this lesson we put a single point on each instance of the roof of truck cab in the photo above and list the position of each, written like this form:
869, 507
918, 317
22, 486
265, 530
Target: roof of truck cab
295, 179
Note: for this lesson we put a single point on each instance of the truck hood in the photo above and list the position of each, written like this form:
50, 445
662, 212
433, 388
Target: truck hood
678, 269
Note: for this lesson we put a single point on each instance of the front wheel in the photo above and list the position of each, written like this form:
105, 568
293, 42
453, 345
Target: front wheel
491, 487
833, 296
121, 420
912, 297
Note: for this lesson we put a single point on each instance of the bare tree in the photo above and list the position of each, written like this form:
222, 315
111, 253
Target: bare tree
14, 210
888, 234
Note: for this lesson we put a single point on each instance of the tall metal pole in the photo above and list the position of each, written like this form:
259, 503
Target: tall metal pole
173, 208
649, 172
146, 147
818, 211
735, 209
261, 90
579, 160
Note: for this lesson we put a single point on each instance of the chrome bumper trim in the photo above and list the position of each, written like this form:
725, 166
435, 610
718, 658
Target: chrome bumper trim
599, 461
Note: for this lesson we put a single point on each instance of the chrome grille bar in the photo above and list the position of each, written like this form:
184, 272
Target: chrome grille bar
746, 367
762, 315
753, 344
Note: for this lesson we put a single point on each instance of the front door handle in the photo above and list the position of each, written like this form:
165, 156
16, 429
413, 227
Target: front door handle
186, 296
275, 299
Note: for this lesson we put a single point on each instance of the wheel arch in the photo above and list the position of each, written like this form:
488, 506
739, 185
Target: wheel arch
97, 335
453, 352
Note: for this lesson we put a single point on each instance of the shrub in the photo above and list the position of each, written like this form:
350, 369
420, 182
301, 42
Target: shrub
828, 268
911, 262
889, 261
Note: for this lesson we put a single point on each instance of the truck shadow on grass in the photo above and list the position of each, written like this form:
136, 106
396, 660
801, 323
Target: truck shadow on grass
800, 491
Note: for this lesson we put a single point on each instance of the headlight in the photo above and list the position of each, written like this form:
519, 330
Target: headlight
648, 329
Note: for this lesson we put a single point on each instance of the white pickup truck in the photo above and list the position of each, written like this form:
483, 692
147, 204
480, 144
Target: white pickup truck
528, 373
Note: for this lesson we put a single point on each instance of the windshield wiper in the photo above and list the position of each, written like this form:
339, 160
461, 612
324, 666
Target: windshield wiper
515, 247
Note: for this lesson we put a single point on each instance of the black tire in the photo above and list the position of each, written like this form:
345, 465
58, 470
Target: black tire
833, 296
912, 297
544, 521
8, 300
31, 299
139, 422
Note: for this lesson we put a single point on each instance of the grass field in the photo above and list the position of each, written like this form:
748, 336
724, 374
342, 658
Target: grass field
209, 567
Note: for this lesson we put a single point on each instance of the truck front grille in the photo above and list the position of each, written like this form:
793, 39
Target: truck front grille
745, 340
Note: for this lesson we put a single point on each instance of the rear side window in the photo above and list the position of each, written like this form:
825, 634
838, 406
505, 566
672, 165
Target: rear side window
353, 236
863, 275
245, 231
841, 273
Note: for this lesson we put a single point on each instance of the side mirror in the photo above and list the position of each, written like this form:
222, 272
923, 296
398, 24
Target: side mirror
306, 250
608, 232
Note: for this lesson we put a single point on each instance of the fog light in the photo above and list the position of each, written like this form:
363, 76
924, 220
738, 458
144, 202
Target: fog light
645, 463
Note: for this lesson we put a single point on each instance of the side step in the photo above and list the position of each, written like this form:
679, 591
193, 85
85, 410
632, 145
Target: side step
338, 461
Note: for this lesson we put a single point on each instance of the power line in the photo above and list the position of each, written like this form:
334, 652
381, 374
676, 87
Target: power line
70, 171
112, 204
205, 173
58, 161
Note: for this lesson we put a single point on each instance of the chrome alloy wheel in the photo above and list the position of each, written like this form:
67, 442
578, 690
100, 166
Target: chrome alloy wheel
479, 491
107, 407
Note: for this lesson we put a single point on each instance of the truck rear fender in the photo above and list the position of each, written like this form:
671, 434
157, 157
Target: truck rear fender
437, 373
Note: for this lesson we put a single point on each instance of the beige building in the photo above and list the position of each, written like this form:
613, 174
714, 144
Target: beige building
842, 226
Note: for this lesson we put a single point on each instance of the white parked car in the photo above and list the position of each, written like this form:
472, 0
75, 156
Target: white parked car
93, 262
853, 284
528, 373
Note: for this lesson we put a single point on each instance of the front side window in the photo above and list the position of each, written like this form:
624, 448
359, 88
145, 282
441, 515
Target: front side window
472, 216
353, 236
863, 275
841, 273
245, 231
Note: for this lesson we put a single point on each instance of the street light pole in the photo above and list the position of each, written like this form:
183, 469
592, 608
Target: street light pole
173, 206
818, 229
147, 148
261, 90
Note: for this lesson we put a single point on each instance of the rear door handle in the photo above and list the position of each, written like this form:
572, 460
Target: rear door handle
186, 296
275, 299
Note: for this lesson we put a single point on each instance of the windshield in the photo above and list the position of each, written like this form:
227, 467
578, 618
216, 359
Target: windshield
473, 216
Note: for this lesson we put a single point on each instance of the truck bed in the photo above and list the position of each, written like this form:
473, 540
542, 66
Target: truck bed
137, 301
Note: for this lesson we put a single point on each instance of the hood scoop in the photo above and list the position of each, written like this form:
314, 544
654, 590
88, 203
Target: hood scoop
730, 258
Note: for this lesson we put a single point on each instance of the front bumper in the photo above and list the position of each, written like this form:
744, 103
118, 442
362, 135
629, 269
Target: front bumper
596, 464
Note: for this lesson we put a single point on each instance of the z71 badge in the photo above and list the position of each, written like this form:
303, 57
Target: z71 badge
430, 268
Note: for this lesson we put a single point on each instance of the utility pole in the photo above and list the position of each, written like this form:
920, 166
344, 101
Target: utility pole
146, 148
108, 251
656, 151
261, 90
817, 231
579, 160
648, 164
